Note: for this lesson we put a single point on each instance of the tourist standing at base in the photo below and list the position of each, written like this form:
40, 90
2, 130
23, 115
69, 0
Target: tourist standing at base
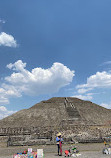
59, 141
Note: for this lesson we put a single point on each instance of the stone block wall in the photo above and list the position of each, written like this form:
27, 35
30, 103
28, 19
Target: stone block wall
47, 135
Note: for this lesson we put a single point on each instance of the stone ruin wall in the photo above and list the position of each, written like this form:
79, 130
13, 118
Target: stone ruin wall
47, 135
87, 133
17, 131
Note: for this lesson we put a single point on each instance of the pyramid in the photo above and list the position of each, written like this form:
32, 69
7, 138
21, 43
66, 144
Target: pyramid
76, 119
57, 111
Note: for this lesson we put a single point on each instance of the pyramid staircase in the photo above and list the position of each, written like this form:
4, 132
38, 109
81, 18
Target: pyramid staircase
74, 117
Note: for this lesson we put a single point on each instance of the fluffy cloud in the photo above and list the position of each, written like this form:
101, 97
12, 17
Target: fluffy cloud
35, 82
84, 97
83, 90
7, 40
7, 91
99, 80
4, 112
39, 80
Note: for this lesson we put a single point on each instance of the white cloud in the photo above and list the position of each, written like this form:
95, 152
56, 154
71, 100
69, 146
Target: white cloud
106, 63
108, 106
2, 21
17, 66
38, 81
3, 108
94, 82
83, 90
7, 40
4, 112
99, 80
84, 97
7, 91
10, 90
3, 100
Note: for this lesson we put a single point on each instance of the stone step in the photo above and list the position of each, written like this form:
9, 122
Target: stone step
72, 122
73, 112
31, 142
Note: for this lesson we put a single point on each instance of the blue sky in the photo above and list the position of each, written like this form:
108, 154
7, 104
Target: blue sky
54, 49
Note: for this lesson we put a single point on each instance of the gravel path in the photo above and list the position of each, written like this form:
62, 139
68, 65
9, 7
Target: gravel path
50, 151
83, 155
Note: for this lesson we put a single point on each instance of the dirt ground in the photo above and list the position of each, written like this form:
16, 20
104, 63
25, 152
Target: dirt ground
50, 151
